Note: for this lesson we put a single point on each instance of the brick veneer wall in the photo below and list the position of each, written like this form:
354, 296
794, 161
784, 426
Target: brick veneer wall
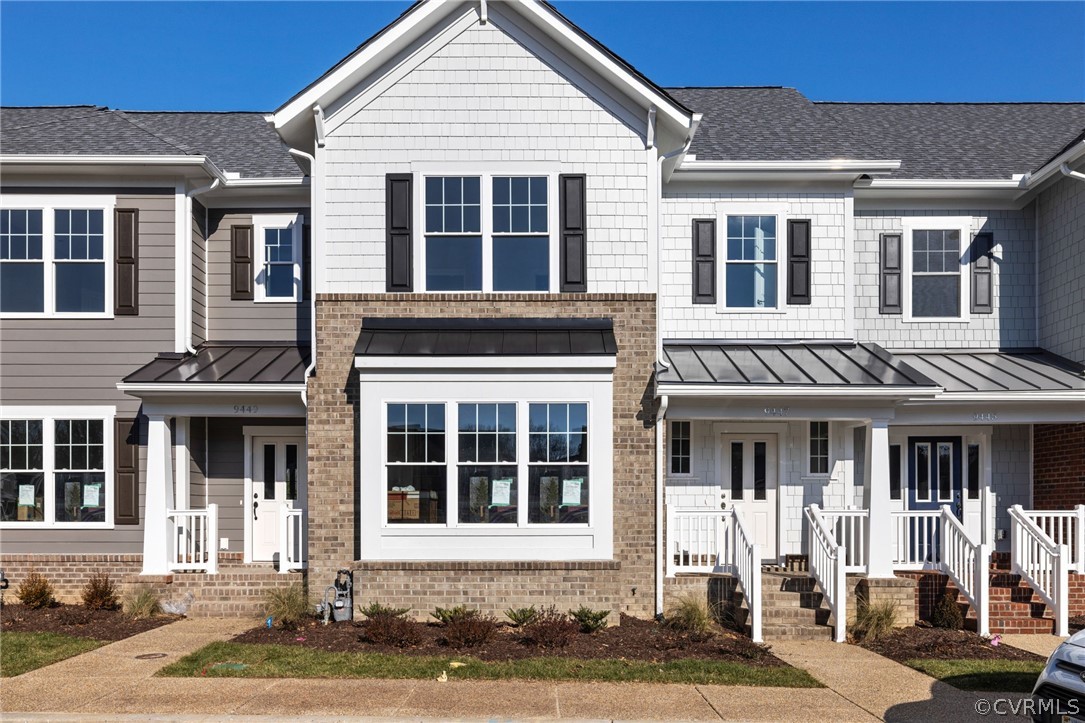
626, 585
1058, 466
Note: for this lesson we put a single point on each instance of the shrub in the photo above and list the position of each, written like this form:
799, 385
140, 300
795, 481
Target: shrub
394, 630
376, 610
36, 591
100, 593
590, 621
875, 621
141, 603
469, 631
288, 605
519, 617
448, 615
947, 613
550, 629
690, 614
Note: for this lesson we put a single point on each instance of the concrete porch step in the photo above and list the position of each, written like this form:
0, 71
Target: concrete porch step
793, 631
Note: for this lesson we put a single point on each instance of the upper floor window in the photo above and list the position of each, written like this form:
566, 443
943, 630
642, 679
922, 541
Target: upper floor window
53, 254
934, 284
278, 257
487, 233
750, 276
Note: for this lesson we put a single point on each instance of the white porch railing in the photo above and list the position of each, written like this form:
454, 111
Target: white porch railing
968, 564
1042, 563
915, 539
828, 561
1064, 527
193, 541
746, 565
291, 539
849, 530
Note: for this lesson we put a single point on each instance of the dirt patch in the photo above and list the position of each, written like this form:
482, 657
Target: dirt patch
939, 644
76, 621
634, 639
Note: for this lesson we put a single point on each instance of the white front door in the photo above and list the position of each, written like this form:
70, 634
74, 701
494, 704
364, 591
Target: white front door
278, 478
749, 483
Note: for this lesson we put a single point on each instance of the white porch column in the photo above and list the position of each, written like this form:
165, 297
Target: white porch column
158, 496
879, 548
182, 500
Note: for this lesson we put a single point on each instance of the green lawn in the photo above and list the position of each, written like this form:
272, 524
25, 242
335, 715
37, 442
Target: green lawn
1008, 676
239, 660
20, 652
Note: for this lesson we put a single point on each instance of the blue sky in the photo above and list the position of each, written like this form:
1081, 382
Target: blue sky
255, 55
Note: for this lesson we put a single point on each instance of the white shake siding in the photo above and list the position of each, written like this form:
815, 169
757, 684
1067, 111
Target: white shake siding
1013, 323
481, 98
823, 318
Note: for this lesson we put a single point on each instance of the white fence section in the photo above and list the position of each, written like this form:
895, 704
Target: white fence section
193, 542
1042, 563
915, 539
291, 539
746, 564
968, 564
827, 565
1064, 527
849, 528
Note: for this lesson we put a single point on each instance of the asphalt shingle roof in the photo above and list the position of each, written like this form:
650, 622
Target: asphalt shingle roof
236, 142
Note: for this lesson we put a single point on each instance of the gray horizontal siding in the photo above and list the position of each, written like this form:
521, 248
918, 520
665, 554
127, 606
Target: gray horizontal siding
199, 275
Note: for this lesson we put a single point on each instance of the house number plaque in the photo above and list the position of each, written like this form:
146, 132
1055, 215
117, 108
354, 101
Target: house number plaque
777, 411
246, 408
984, 417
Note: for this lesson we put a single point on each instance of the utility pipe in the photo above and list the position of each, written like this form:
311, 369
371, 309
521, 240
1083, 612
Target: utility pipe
312, 285
660, 521
187, 311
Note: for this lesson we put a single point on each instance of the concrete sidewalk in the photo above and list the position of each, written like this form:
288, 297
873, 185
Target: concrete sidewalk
112, 682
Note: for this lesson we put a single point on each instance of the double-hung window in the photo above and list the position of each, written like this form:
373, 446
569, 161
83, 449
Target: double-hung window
417, 474
935, 287
55, 255
750, 274
487, 232
278, 257
488, 475
55, 468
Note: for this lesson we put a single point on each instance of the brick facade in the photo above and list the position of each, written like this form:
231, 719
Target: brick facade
624, 585
1058, 466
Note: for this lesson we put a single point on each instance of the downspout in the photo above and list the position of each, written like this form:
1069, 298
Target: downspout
1065, 168
188, 255
312, 296
660, 456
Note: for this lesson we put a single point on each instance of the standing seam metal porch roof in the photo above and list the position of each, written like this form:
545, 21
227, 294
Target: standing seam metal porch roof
223, 363
488, 337
1017, 370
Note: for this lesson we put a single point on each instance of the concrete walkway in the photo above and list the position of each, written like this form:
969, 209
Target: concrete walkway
1039, 644
113, 683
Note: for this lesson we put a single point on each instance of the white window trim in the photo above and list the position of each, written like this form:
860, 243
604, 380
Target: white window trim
49, 415
485, 172
911, 224
806, 453
670, 451
47, 204
780, 211
263, 222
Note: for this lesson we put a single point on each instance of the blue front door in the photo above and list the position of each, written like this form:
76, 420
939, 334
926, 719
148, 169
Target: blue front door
934, 479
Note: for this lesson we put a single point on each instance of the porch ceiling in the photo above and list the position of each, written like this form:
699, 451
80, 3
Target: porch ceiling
1018, 370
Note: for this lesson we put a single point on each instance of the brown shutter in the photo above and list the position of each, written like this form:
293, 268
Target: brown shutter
306, 262
398, 222
126, 471
573, 226
798, 261
704, 261
241, 269
126, 262
889, 299
983, 293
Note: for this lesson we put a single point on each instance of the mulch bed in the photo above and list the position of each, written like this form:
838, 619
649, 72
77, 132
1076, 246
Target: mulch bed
78, 622
1076, 622
941, 644
633, 639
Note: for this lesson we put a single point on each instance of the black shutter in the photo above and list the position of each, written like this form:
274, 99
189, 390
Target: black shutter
798, 261
704, 261
398, 220
889, 299
983, 293
126, 472
126, 262
306, 262
573, 215
241, 270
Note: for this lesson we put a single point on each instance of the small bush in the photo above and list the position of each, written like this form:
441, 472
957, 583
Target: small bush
690, 614
874, 621
947, 613
287, 605
393, 630
36, 591
590, 621
100, 593
519, 617
142, 603
550, 629
469, 631
376, 610
449, 615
